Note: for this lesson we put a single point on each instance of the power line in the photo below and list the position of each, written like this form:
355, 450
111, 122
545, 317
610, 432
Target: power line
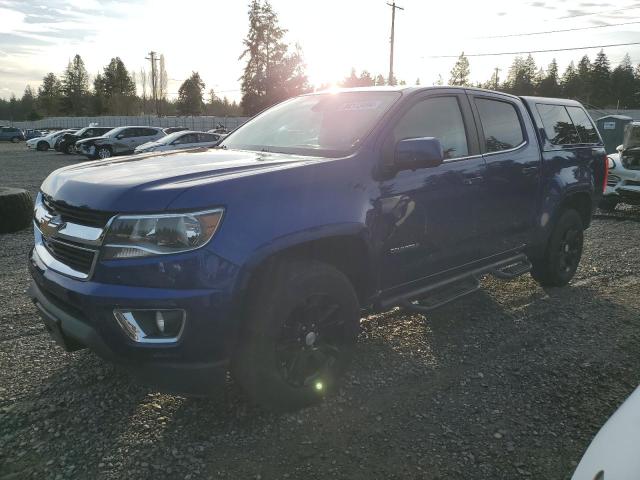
532, 51
558, 31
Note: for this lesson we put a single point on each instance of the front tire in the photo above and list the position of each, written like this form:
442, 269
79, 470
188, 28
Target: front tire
102, 153
301, 327
15, 139
563, 252
42, 146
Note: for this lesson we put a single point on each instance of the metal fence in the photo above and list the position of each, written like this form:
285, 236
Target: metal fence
193, 123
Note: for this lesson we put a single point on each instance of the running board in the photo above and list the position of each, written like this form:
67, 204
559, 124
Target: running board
443, 295
429, 297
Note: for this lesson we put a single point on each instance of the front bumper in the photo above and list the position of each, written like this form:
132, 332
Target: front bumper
629, 194
79, 314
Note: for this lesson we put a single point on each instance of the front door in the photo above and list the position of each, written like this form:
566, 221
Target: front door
425, 217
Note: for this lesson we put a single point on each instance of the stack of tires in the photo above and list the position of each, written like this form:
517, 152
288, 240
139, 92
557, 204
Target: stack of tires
16, 209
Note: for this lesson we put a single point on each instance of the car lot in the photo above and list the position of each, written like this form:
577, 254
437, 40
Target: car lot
511, 382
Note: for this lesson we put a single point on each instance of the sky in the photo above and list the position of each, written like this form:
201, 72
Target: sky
41, 36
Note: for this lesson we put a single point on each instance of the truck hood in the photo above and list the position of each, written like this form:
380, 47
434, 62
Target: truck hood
150, 182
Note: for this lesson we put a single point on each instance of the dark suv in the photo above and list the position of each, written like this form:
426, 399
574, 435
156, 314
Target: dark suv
259, 256
12, 134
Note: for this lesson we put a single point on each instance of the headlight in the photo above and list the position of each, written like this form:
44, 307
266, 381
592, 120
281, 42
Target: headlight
611, 163
134, 236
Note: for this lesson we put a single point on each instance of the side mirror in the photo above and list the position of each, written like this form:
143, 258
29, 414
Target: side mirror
414, 153
619, 148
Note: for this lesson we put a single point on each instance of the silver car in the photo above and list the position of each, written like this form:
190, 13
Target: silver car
180, 141
119, 141
623, 182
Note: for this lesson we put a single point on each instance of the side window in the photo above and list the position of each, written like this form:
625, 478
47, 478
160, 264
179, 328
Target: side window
557, 124
586, 131
130, 133
188, 138
438, 117
148, 132
500, 124
208, 137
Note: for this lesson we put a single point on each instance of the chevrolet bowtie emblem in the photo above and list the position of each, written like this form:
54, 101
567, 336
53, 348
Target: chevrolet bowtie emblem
52, 225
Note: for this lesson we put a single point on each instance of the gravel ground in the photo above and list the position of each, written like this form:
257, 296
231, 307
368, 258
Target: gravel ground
511, 382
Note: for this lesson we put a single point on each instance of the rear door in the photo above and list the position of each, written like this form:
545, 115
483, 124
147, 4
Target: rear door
508, 198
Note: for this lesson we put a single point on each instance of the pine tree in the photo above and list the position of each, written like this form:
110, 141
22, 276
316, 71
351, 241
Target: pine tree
49, 95
380, 80
118, 88
190, 95
601, 81
75, 87
623, 84
570, 83
460, 72
271, 73
549, 86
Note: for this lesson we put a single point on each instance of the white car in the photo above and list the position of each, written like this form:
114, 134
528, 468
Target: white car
48, 141
180, 141
613, 453
623, 182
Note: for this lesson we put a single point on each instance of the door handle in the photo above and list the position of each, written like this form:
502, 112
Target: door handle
529, 170
473, 180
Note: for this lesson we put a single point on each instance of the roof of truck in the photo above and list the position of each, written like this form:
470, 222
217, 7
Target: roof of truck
416, 88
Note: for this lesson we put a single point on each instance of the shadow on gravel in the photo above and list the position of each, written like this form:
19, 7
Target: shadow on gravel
500, 383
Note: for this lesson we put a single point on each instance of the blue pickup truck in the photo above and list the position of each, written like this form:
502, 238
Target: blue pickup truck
259, 256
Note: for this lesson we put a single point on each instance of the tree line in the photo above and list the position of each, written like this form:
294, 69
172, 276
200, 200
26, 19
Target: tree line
113, 92
595, 84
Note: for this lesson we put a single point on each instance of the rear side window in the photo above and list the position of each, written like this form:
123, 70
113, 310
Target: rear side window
147, 132
586, 131
438, 117
208, 137
500, 124
557, 124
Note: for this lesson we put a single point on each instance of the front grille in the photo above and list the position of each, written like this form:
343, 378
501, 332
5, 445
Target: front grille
612, 180
73, 256
80, 215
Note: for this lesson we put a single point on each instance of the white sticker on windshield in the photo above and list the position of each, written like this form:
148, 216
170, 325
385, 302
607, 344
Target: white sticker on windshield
370, 105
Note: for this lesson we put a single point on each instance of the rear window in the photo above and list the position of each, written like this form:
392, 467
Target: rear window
557, 124
586, 131
500, 123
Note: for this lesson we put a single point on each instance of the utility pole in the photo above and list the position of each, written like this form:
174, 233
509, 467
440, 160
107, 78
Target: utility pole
394, 7
495, 79
154, 79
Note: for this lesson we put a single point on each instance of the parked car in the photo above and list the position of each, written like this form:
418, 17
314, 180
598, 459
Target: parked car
180, 141
170, 130
259, 256
48, 141
67, 143
219, 129
11, 134
119, 141
613, 453
31, 133
623, 184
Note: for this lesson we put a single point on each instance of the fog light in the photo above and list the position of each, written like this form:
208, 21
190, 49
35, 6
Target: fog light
151, 326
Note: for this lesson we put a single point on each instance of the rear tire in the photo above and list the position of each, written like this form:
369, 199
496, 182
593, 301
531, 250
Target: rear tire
608, 204
15, 139
301, 327
563, 252
16, 209
69, 149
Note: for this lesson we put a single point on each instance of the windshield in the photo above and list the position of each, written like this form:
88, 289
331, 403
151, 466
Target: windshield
324, 124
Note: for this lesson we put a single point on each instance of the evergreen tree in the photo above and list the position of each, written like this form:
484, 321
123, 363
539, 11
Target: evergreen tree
49, 95
271, 73
623, 84
460, 72
380, 80
585, 79
28, 105
570, 83
601, 81
550, 85
75, 87
521, 77
190, 95
118, 88
99, 95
